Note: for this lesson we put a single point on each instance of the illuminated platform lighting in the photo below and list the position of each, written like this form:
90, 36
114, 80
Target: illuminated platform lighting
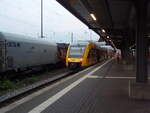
107, 36
93, 16
103, 30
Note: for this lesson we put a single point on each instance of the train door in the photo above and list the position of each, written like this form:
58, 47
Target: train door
93, 55
90, 57
2, 55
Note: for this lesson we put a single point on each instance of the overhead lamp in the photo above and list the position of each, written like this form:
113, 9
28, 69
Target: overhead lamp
93, 16
103, 30
107, 36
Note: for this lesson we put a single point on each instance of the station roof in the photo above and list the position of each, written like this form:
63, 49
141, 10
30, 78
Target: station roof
116, 17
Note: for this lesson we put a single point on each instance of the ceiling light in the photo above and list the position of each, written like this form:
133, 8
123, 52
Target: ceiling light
93, 16
107, 36
103, 30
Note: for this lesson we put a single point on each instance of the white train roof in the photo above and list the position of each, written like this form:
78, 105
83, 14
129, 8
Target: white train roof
21, 38
80, 43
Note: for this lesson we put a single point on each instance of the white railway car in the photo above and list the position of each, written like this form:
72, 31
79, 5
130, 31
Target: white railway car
19, 52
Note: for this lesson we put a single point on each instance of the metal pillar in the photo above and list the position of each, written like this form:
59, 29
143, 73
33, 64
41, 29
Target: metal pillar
72, 37
141, 59
42, 19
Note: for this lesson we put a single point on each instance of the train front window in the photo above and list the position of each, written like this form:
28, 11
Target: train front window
76, 51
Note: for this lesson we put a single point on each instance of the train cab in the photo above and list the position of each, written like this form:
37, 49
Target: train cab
81, 55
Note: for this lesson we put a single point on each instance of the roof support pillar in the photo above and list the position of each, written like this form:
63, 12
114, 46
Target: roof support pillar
141, 46
125, 52
140, 88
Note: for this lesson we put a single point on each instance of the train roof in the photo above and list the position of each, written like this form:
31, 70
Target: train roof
22, 38
79, 43
62, 45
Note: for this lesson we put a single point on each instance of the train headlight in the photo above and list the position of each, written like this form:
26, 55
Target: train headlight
69, 59
81, 59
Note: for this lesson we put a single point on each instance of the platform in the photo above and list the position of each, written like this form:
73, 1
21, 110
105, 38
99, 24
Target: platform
102, 88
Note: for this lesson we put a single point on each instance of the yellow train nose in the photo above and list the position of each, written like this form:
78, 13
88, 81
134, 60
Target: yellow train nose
75, 59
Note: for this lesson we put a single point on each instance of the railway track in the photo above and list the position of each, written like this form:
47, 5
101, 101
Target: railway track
20, 93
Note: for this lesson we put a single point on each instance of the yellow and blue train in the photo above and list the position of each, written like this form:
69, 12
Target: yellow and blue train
84, 54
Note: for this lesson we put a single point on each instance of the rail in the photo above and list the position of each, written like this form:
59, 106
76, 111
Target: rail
23, 90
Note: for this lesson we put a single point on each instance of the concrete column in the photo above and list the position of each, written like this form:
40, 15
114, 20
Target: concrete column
140, 89
141, 46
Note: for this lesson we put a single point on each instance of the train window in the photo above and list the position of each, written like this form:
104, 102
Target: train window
1, 43
18, 44
14, 44
11, 44
92, 53
76, 51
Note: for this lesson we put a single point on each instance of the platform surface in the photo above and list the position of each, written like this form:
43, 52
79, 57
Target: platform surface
102, 88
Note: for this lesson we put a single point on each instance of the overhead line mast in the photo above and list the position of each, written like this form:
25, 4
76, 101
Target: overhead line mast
42, 19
